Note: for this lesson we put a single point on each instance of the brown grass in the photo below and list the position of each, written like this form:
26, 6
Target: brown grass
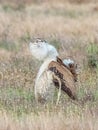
22, 2
73, 30
50, 121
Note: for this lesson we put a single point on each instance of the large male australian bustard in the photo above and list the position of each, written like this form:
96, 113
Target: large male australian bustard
53, 73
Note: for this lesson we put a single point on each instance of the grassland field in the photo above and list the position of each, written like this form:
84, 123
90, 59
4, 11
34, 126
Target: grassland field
72, 27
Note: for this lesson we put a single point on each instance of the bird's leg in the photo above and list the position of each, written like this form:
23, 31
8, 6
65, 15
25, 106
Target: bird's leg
59, 92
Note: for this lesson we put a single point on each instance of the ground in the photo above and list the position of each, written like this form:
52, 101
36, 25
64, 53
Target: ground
73, 29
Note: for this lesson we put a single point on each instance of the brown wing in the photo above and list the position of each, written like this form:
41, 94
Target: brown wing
71, 68
65, 77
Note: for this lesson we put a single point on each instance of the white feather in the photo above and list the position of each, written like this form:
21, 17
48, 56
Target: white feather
68, 61
42, 50
39, 51
43, 84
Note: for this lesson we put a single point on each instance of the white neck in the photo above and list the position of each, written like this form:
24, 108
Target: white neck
44, 66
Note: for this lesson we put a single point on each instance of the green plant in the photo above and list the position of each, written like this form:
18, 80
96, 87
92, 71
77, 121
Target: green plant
92, 54
55, 42
9, 45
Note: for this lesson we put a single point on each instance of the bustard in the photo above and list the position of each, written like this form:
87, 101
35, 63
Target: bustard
53, 73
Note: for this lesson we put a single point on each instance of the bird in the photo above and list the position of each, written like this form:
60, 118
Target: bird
53, 73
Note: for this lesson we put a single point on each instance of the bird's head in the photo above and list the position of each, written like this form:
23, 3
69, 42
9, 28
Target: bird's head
40, 49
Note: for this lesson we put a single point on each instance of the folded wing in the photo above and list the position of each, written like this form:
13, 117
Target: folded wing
62, 77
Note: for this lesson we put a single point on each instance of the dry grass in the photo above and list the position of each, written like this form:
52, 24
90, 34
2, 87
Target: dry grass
55, 120
73, 29
22, 2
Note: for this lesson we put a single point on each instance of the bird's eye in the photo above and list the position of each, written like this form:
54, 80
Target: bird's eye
45, 41
37, 41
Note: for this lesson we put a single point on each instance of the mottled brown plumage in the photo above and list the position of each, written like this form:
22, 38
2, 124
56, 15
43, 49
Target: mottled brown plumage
64, 75
71, 68
52, 73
